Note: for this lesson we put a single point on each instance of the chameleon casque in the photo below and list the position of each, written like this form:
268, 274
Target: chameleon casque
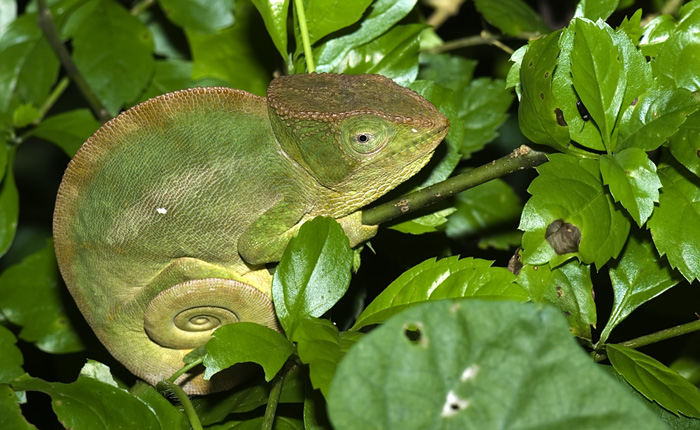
168, 214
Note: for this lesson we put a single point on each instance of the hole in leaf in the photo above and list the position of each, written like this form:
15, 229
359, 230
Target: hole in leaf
413, 333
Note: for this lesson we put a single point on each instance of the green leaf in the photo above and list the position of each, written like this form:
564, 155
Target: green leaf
484, 207
113, 50
571, 190
448, 71
596, 9
314, 272
654, 117
9, 202
429, 223
394, 55
232, 54
10, 413
637, 277
315, 414
655, 34
321, 346
656, 381
323, 17
633, 181
274, 13
90, 403
441, 279
677, 63
246, 342
537, 112
8, 13
632, 26
68, 130
169, 76
205, 16
512, 17
28, 66
568, 287
476, 364
11, 358
483, 107
598, 75
685, 143
31, 297
24, 115
281, 423
675, 224
380, 17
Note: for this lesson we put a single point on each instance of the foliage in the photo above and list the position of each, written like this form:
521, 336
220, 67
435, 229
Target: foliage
609, 223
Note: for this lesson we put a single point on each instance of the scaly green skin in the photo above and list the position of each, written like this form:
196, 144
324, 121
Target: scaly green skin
178, 203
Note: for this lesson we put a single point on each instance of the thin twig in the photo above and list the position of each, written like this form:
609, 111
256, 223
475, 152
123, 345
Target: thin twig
483, 38
444, 10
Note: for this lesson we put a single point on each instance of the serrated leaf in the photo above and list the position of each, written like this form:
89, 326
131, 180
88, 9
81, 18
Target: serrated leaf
424, 224
596, 9
30, 296
246, 342
654, 117
598, 75
512, 17
205, 16
656, 381
537, 113
9, 202
677, 63
571, 190
675, 223
632, 26
274, 14
10, 413
685, 144
637, 277
313, 274
633, 181
448, 71
483, 107
68, 130
11, 359
322, 346
89, 403
441, 279
441, 365
656, 33
325, 17
568, 287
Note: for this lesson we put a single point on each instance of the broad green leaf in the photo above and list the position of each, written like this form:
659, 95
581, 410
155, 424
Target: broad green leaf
537, 112
5, 151
28, 66
31, 297
448, 71
570, 190
323, 17
477, 364
321, 346
68, 130
596, 9
424, 224
513, 78
394, 55
9, 201
656, 33
441, 279
675, 224
656, 381
89, 403
281, 423
205, 16
632, 26
313, 274
274, 13
484, 207
568, 287
598, 75
654, 117
676, 65
113, 50
379, 17
512, 17
483, 107
637, 277
10, 413
246, 342
685, 143
233, 54
169, 76
632, 179
11, 358
8, 13
169, 42
315, 414
24, 115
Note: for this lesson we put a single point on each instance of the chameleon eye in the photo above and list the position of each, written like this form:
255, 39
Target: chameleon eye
365, 135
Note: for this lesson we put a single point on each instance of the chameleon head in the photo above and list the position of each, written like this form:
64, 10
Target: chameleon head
349, 131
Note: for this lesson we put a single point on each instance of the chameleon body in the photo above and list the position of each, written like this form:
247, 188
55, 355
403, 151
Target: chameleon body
167, 215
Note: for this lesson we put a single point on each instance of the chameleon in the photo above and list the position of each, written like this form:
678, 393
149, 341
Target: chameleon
168, 217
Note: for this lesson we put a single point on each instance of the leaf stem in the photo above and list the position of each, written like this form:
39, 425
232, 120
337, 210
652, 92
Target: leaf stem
483, 38
186, 368
166, 385
53, 97
273, 399
521, 158
141, 6
303, 29
47, 25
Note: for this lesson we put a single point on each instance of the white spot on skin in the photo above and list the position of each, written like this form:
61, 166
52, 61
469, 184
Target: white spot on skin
469, 373
162, 211
453, 405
